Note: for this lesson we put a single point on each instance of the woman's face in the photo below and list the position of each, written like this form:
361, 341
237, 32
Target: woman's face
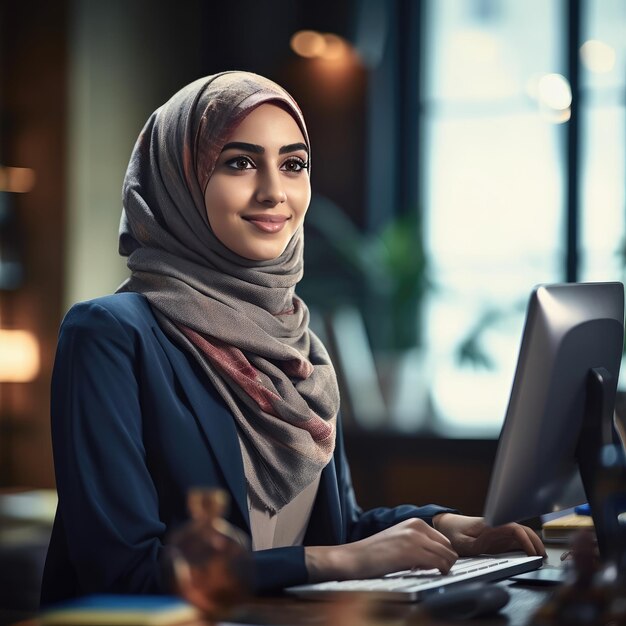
259, 192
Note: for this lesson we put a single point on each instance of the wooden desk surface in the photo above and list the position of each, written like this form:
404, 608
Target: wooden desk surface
287, 612
525, 600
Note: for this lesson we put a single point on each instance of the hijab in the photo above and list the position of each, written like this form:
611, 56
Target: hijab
240, 319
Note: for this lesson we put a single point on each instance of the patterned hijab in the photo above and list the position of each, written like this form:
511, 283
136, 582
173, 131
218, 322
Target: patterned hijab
240, 319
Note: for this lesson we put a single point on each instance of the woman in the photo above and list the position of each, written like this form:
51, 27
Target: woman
202, 371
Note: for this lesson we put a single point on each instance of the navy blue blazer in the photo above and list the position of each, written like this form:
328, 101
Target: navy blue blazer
135, 425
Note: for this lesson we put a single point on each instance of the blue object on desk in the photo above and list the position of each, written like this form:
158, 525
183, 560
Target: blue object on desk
123, 610
583, 509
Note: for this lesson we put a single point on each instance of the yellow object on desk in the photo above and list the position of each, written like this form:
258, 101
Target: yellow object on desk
561, 529
121, 610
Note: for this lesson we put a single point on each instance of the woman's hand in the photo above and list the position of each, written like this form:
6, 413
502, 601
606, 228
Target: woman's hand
412, 543
470, 536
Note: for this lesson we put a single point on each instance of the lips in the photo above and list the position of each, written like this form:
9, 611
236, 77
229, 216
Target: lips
267, 223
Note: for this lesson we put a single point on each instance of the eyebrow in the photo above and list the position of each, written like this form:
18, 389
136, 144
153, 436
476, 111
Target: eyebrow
293, 147
252, 147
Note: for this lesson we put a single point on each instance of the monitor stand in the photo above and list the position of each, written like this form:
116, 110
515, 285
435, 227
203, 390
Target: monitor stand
601, 463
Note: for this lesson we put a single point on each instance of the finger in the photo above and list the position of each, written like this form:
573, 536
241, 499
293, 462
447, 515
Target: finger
429, 560
523, 540
536, 540
500, 539
430, 553
443, 564
441, 557
435, 535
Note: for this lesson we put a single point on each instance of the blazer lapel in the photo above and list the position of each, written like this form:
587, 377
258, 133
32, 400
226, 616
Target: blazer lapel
216, 422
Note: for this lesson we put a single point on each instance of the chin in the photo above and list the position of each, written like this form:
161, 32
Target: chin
262, 255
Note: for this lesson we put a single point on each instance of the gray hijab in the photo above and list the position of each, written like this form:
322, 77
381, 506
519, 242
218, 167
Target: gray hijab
240, 319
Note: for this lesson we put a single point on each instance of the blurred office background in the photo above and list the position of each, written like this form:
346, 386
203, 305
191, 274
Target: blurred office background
463, 151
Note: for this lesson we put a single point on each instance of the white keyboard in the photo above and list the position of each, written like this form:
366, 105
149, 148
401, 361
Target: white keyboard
412, 585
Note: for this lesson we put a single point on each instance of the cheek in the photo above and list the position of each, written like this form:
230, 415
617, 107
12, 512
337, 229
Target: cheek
219, 201
302, 198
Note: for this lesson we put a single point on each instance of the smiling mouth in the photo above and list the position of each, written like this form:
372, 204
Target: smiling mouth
267, 223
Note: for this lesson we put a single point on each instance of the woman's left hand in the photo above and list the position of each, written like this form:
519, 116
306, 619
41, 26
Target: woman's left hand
470, 536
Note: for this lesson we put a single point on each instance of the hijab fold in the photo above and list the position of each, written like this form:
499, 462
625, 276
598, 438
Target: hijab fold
240, 319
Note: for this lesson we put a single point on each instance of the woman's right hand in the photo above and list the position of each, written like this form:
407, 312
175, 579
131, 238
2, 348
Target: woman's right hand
411, 543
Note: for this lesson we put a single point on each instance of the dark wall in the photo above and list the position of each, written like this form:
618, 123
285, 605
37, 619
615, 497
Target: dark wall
254, 36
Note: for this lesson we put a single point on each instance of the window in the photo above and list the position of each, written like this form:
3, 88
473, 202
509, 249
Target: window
603, 136
495, 108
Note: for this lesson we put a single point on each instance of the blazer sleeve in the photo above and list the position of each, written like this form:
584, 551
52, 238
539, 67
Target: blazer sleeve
107, 499
277, 568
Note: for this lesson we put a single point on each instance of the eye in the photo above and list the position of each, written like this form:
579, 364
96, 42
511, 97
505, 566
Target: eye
294, 165
240, 163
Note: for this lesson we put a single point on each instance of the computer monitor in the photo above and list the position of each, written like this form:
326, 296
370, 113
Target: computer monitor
560, 412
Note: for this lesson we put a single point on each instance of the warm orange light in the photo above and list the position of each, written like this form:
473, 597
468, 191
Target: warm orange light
313, 45
308, 44
336, 47
16, 179
19, 356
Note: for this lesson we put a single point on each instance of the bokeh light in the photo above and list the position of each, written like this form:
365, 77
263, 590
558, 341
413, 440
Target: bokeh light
554, 92
16, 179
308, 43
597, 56
326, 46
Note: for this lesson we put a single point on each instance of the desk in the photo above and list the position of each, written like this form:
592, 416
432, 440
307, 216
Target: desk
525, 600
25, 526
285, 611
289, 612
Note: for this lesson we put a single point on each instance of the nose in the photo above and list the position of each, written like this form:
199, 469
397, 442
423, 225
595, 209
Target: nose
270, 191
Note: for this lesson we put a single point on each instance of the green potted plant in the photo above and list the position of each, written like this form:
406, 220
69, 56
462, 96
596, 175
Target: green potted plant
383, 275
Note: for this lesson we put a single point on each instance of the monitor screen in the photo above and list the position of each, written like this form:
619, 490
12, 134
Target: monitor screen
564, 384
